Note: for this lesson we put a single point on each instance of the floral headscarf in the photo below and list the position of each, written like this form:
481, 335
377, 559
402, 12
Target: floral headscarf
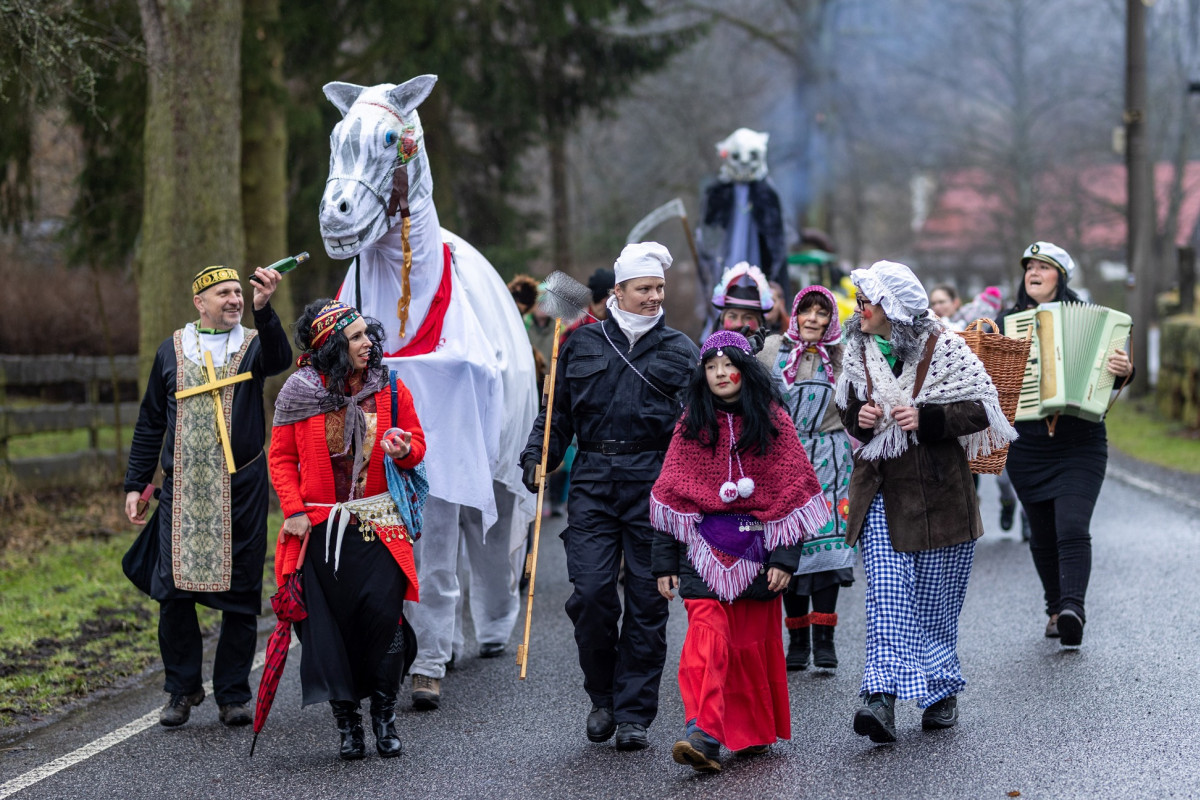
833, 334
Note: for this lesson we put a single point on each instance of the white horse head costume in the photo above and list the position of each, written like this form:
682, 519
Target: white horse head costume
453, 331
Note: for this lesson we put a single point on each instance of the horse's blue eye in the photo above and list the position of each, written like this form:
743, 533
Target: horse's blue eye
389, 138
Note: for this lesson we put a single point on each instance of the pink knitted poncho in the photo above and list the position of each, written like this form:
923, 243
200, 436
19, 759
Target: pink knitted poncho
787, 497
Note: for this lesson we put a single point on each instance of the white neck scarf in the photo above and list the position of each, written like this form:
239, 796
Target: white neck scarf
634, 326
955, 375
221, 345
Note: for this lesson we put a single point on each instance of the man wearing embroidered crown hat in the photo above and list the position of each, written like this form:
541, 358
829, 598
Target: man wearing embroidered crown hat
202, 418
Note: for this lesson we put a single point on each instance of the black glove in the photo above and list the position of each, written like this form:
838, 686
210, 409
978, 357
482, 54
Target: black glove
757, 340
529, 472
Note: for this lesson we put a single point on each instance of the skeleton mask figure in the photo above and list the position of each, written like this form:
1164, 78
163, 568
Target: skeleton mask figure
743, 155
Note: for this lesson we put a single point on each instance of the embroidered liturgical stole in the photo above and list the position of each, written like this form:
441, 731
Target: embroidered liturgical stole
201, 525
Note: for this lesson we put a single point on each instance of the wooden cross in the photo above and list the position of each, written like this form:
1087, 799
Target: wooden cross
215, 386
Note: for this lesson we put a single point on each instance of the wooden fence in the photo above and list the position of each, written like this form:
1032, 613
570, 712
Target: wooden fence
84, 467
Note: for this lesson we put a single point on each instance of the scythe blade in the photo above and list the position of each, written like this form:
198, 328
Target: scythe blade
658, 216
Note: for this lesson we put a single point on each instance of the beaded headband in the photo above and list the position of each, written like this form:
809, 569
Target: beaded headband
211, 276
722, 339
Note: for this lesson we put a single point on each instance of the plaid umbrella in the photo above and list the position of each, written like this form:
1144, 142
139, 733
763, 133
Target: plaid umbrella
288, 604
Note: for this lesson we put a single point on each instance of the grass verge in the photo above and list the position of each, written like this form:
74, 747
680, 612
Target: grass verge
48, 444
1136, 429
71, 624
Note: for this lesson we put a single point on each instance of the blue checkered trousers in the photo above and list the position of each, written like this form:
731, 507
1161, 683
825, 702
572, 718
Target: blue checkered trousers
913, 602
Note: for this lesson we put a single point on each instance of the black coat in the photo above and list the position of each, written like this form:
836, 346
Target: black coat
669, 557
767, 213
598, 397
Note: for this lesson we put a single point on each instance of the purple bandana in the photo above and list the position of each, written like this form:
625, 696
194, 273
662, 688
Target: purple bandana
728, 553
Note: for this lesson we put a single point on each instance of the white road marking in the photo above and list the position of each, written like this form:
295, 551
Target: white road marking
9, 788
1146, 486
20, 782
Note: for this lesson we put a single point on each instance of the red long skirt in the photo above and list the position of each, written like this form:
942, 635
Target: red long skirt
732, 673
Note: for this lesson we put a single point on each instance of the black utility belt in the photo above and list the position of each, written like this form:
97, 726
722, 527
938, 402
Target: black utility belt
613, 447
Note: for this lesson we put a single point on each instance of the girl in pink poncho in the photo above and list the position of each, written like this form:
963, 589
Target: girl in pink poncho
736, 498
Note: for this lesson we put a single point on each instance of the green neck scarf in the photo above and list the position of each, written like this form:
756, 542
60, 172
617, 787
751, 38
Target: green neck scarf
885, 347
212, 331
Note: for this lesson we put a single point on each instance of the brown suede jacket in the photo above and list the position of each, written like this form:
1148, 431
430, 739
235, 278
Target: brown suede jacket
927, 491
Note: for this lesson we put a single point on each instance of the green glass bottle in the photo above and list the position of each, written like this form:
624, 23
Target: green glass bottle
285, 265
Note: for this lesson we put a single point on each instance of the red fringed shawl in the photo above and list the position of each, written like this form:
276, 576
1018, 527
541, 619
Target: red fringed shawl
787, 498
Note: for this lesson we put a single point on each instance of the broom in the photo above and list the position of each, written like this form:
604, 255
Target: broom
566, 300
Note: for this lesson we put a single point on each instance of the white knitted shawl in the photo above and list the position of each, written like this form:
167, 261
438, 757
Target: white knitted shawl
955, 375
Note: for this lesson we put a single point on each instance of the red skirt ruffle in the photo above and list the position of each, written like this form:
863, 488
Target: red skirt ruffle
732, 673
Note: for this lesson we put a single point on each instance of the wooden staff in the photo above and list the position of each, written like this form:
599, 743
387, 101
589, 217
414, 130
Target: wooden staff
531, 559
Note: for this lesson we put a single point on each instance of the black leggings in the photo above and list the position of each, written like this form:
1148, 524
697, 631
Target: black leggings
824, 601
1061, 545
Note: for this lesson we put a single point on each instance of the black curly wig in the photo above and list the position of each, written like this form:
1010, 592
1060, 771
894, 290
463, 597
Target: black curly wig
758, 392
332, 358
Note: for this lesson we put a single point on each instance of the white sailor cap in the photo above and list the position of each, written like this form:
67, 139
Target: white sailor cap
1051, 254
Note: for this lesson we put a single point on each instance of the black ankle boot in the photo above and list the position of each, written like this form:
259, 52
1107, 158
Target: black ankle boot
349, 724
824, 654
383, 724
798, 649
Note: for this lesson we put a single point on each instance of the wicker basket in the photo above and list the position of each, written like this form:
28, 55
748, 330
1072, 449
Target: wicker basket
1004, 359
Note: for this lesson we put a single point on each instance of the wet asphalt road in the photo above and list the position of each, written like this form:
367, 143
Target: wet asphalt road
1119, 718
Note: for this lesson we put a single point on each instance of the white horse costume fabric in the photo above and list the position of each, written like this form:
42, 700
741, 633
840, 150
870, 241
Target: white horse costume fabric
474, 386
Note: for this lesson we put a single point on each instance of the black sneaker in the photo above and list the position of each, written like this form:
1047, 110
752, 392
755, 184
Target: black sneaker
942, 714
179, 708
699, 751
1007, 510
1070, 628
877, 718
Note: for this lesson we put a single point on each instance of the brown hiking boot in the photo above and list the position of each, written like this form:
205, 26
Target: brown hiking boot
235, 714
426, 692
179, 708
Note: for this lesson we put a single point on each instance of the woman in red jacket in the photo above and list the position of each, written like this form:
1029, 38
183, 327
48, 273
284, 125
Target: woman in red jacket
327, 465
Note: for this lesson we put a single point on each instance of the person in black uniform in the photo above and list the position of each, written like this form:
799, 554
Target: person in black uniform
616, 389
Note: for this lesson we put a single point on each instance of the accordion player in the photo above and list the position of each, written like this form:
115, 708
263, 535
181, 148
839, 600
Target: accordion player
1067, 370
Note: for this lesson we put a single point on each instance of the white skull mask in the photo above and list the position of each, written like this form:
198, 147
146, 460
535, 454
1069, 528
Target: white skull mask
743, 155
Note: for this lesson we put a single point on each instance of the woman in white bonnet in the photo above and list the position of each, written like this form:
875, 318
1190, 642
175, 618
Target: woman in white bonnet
922, 404
616, 388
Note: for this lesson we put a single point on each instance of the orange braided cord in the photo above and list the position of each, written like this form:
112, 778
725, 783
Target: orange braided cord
406, 290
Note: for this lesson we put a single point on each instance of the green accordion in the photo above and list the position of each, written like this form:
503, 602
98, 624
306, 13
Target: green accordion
1067, 370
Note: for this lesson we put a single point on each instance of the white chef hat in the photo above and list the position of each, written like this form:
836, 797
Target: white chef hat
1052, 254
893, 286
642, 260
